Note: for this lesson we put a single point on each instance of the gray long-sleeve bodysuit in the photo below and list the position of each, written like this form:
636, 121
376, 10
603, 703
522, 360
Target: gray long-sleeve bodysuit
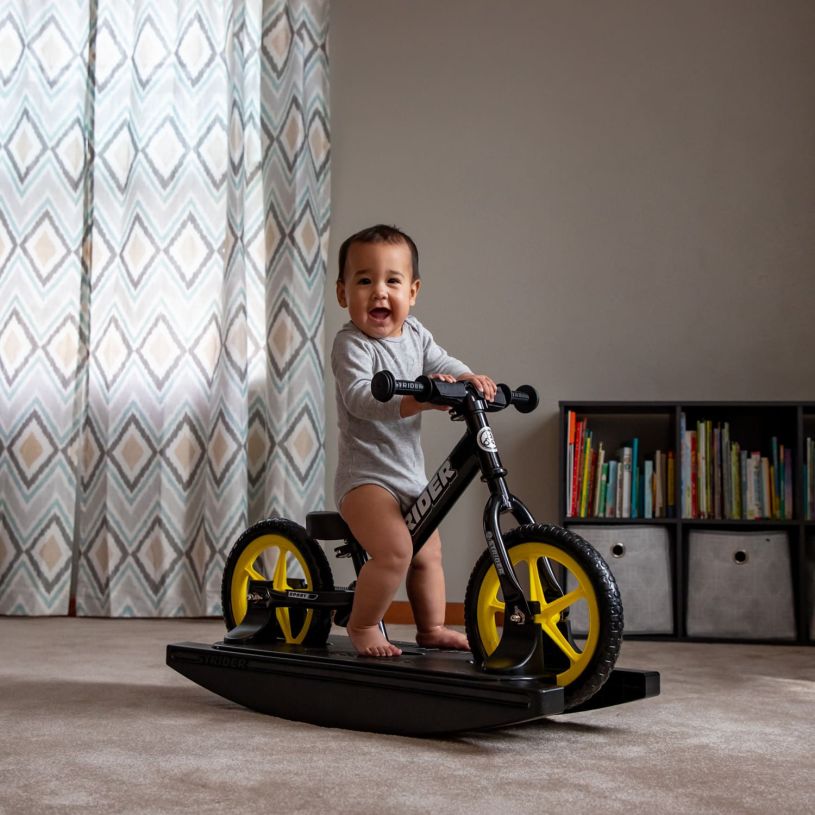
376, 445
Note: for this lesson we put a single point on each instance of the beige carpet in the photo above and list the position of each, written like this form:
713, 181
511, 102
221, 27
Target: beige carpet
92, 721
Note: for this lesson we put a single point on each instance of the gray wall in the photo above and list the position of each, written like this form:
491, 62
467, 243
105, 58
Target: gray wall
612, 200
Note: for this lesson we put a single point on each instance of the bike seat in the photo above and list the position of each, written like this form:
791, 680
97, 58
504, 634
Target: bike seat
327, 526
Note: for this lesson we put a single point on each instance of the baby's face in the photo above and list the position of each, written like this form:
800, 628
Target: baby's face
378, 288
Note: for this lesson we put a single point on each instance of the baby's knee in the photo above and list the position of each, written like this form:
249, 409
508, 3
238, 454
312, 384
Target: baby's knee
395, 558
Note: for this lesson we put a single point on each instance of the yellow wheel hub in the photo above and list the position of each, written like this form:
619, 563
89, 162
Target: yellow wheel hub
524, 558
288, 562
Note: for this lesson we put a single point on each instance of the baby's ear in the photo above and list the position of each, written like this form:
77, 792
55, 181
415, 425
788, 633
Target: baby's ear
414, 290
341, 299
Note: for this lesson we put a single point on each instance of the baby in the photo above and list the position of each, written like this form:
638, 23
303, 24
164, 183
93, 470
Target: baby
381, 466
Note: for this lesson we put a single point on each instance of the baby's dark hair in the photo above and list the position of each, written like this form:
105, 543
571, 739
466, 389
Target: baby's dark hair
379, 234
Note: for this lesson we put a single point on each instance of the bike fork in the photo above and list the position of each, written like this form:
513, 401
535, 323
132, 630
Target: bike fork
521, 649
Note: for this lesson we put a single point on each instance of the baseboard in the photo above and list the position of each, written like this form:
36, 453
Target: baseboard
400, 613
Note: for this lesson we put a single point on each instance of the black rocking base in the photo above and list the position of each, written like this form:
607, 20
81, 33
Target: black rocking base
423, 692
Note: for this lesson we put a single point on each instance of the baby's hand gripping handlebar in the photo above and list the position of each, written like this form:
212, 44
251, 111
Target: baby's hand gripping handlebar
384, 386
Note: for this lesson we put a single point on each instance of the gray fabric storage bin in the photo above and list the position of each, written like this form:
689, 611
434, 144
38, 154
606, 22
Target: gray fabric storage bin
740, 585
640, 560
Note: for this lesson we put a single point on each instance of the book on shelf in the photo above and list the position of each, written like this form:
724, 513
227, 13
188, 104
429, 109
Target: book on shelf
685, 463
719, 479
598, 479
624, 455
648, 489
701, 462
603, 484
670, 489
570, 435
611, 491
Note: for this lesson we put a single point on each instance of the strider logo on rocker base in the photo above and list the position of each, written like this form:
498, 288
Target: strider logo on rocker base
430, 495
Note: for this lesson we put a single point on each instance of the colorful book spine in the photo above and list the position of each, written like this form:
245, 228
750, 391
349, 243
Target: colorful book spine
766, 493
694, 474
598, 480
709, 504
586, 470
717, 472
670, 489
738, 505
685, 464
659, 506
578, 449
570, 423
625, 462
611, 491
648, 489
635, 477
788, 508
701, 459
603, 492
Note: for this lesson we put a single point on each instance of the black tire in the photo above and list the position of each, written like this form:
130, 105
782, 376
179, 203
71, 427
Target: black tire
303, 558
589, 668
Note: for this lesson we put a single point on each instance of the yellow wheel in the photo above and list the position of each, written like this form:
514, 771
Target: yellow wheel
581, 667
281, 552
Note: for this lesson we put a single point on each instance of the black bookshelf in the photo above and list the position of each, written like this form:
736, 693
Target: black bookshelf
657, 425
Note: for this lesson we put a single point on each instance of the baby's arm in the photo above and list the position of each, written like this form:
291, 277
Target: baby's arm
353, 369
438, 361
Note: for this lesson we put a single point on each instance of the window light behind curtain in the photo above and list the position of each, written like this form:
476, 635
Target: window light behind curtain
164, 212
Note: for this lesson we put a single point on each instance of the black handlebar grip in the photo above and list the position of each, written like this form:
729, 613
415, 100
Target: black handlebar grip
525, 399
383, 386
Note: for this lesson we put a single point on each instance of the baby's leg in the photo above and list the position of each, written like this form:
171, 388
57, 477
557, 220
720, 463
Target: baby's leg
374, 517
425, 587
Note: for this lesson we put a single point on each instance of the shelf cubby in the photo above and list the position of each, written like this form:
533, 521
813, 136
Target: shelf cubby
753, 425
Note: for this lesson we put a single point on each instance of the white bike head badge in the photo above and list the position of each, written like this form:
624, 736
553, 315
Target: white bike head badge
486, 441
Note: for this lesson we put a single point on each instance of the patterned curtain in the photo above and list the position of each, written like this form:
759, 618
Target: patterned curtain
187, 396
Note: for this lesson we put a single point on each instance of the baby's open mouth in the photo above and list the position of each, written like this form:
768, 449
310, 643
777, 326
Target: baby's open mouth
379, 313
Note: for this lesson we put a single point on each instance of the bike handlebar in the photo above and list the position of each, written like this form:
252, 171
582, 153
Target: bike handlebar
384, 386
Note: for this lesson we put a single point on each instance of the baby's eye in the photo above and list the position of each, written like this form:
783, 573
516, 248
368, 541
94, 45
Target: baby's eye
394, 281
363, 281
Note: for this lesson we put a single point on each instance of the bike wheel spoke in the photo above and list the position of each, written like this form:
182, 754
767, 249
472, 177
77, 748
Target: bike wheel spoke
253, 573
279, 581
562, 603
284, 619
557, 637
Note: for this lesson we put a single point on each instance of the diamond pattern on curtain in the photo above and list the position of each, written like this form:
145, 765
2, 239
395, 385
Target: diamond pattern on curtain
203, 406
43, 76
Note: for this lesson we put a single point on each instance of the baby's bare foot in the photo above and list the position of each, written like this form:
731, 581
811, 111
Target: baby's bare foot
442, 637
371, 642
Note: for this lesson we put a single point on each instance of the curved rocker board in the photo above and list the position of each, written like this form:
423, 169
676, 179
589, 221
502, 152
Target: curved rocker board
420, 693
